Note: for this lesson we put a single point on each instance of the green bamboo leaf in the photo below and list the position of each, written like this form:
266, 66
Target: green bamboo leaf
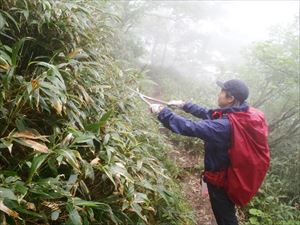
109, 174
9, 76
7, 143
75, 217
11, 19
20, 123
119, 169
49, 188
49, 89
96, 205
138, 210
5, 58
104, 118
22, 210
71, 181
139, 165
106, 139
88, 170
70, 157
95, 127
2, 21
140, 198
16, 50
93, 204
55, 214
21, 188
52, 164
7, 193
146, 184
36, 164
9, 173
84, 138
84, 190
109, 151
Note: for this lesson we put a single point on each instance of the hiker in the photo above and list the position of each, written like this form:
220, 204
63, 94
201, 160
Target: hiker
215, 130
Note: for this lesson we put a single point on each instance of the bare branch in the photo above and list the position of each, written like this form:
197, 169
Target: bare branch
290, 112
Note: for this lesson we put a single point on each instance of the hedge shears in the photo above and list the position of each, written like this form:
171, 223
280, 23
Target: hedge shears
146, 98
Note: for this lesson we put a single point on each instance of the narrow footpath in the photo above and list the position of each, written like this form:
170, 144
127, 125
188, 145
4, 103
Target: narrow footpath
190, 181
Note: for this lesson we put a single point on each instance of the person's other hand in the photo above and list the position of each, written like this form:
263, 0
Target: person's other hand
156, 108
176, 103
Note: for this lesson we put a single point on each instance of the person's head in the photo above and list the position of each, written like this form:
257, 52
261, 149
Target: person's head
233, 92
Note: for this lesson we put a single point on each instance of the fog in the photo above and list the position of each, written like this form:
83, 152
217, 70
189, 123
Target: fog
200, 37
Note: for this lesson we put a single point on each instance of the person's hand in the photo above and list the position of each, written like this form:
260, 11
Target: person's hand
156, 108
176, 103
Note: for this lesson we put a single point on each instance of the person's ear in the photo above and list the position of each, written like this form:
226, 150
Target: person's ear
231, 99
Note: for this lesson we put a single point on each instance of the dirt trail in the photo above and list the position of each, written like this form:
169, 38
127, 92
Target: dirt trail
190, 181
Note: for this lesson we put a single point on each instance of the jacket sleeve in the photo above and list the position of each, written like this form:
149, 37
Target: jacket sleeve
207, 130
197, 110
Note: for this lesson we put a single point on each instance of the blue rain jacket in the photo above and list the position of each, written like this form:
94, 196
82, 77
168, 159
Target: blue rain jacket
216, 133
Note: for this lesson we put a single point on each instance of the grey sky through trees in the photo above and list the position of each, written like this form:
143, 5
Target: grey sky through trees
195, 36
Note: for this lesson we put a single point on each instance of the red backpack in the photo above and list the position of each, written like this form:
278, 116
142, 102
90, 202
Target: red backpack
249, 155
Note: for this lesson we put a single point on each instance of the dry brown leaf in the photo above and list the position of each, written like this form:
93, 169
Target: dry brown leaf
51, 205
86, 96
95, 161
5, 66
57, 105
35, 145
74, 53
67, 140
29, 205
29, 135
10, 148
8, 211
34, 84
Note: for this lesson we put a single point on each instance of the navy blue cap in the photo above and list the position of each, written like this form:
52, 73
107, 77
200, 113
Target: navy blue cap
236, 88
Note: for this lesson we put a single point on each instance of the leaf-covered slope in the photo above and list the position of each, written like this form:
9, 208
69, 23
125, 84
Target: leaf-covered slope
70, 150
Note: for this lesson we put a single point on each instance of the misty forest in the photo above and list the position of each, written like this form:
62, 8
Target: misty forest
78, 145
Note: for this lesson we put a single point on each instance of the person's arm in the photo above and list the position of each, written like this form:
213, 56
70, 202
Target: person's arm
207, 130
197, 110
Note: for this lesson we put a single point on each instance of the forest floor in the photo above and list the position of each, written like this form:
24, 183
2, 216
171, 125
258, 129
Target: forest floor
190, 182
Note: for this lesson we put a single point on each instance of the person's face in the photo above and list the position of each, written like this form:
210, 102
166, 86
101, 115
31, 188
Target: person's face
224, 99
